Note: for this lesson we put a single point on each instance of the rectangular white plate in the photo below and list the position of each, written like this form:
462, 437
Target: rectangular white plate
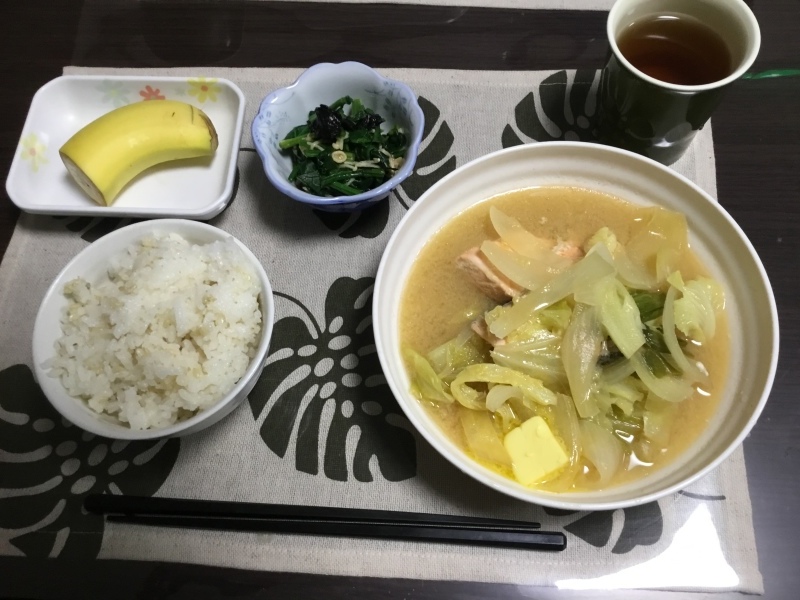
38, 182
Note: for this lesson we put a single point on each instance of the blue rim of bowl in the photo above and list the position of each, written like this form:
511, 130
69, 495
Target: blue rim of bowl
383, 189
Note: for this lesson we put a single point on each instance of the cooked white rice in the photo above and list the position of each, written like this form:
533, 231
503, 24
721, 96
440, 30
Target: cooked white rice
168, 334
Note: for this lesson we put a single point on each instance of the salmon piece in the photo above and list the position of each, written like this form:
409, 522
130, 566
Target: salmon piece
568, 250
480, 327
493, 284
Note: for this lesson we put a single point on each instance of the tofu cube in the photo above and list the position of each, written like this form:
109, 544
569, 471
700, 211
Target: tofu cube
535, 452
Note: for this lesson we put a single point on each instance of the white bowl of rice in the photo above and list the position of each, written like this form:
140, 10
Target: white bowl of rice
158, 329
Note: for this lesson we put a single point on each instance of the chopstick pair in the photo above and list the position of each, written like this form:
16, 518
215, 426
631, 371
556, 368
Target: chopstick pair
346, 522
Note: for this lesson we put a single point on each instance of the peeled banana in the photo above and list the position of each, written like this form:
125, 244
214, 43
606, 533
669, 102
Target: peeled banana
109, 152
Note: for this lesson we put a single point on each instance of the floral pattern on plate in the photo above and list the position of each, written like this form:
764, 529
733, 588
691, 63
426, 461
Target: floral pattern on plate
203, 89
33, 151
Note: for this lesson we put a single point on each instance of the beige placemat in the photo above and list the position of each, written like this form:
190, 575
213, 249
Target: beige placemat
321, 427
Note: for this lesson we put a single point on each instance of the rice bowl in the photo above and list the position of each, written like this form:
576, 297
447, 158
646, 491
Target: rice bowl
157, 329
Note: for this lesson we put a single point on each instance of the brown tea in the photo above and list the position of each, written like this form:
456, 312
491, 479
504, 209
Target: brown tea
676, 48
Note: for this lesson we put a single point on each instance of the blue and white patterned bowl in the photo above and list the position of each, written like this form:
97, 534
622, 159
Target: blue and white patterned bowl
325, 83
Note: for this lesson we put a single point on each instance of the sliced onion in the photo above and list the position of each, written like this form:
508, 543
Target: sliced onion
618, 371
660, 241
658, 419
634, 275
602, 448
580, 350
482, 437
498, 395
523, 241
568, 426
525, 272
669, 388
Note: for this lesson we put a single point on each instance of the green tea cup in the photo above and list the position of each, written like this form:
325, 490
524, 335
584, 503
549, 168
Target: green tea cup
648, 114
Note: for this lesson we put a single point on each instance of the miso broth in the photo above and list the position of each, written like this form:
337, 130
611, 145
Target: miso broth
439, 301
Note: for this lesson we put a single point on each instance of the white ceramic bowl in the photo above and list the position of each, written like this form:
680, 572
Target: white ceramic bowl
39, 183
91, 264
715, 238
325, 83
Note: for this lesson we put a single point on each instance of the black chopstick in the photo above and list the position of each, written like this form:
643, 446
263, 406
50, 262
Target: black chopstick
145, 505
280, 518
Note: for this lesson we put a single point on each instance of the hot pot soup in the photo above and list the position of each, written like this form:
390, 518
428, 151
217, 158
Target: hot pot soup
564, 338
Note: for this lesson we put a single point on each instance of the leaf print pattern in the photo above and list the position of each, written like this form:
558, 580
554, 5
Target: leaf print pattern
642, 526
368, 223
705, 497
323, 393
594, 528
435, 159
41, 508
563, 108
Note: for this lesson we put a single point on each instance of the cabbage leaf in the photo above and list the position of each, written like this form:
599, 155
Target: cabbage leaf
467, 348
587, 271
623, 394
671, 340
697, 309
425, 383
631, 273
617, 311
535, 347
532, 389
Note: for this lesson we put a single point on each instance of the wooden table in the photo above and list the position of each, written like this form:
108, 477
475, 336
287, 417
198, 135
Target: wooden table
756, 134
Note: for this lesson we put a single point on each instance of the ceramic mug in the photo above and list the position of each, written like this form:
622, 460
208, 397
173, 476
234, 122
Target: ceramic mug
654, 117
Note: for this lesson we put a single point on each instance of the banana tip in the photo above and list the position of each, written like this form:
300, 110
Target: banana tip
211, 130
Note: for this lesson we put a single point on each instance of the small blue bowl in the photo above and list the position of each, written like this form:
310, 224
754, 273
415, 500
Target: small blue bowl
325, 83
